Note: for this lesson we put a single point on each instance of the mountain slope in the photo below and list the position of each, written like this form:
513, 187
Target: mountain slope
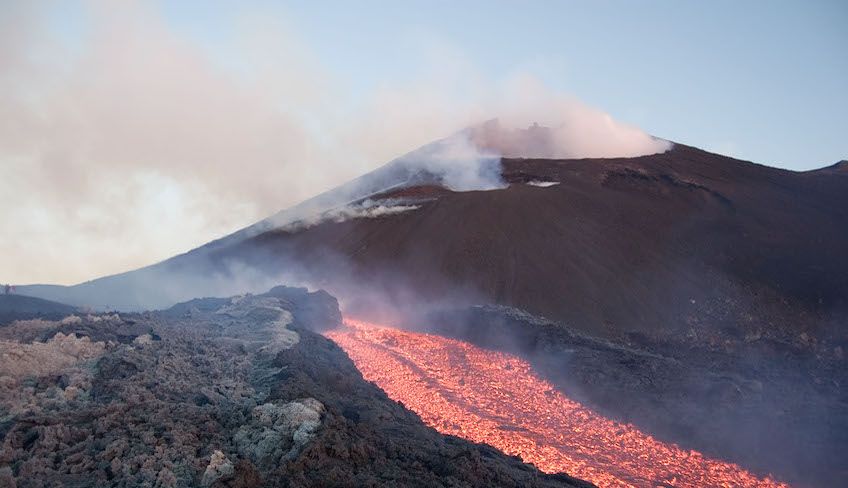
682, 242
733, 273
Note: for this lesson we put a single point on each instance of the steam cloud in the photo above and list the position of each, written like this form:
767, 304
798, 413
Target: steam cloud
459, 163
456, 162
135, 142
366, 210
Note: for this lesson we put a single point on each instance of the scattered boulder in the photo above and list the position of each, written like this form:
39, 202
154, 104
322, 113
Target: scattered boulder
219, 467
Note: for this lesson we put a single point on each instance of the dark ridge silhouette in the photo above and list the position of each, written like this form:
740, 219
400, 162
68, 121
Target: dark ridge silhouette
20, 307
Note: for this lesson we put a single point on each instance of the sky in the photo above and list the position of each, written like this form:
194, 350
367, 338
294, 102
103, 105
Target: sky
133, 131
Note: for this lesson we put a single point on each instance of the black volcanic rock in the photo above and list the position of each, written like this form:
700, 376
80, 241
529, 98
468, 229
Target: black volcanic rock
236, 392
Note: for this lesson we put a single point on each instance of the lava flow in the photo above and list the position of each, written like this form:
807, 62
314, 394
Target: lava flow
495, 398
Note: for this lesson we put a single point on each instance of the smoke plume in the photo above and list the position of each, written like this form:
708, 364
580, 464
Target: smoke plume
134, 142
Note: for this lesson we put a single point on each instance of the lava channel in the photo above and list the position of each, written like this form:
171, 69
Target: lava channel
496, 398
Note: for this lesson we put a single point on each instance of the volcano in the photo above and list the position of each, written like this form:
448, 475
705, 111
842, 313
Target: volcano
677, 264
656, 245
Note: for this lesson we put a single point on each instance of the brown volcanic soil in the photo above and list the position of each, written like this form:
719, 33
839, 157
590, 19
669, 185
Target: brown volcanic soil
685, 244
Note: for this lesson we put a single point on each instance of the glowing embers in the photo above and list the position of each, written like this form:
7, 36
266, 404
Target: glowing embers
495, 398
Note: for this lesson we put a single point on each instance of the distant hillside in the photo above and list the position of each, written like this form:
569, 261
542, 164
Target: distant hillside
21, 307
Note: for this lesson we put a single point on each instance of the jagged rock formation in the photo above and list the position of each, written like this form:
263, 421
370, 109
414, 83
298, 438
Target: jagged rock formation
214, 392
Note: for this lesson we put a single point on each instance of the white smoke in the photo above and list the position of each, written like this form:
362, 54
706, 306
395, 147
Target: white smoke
135, 142
531, 121
455, 163
368, 209
459, 164
543, 184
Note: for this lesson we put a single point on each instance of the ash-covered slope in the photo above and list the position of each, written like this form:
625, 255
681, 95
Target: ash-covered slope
217, 392
682, 244
685, 245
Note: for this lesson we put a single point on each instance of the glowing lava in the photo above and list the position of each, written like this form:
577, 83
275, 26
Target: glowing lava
495, 398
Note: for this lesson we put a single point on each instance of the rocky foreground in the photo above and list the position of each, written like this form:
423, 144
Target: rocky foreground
235, 392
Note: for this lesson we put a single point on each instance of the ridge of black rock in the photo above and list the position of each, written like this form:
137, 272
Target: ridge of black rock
840, 167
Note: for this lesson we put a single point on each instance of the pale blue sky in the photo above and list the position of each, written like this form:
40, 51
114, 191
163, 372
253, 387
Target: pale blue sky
763, 80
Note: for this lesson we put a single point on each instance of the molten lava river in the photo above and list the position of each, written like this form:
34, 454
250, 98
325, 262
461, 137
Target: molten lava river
497, 399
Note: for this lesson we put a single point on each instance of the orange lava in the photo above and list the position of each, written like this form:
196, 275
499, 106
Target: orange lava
495, 398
